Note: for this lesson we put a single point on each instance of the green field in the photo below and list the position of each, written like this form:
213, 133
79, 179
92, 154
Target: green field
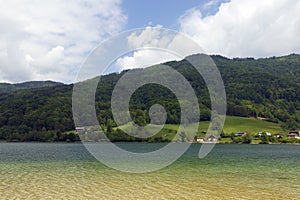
250, 125
239, 124
233, 124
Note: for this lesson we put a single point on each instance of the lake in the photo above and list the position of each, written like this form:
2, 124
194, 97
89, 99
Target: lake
68, 171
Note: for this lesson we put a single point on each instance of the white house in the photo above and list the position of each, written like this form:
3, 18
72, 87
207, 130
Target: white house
212, 138
294, 134
261, 133
200, 139
80, 130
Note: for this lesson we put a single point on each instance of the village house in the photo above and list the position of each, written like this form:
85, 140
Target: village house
279, 136
240, 134
200, 139
261, 133
294, 134
212, 138
80, 130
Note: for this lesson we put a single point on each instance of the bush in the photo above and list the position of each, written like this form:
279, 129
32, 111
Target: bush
247, 139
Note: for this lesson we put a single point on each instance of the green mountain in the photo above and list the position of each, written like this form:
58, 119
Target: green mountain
266, 88
7, 87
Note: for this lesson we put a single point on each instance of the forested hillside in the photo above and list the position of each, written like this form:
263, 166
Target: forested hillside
7, 87
267, 88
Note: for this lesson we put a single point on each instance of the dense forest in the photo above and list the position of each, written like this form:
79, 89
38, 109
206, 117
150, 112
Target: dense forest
7, 87
268, 88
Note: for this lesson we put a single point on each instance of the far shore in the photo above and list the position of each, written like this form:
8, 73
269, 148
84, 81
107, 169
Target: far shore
137, 142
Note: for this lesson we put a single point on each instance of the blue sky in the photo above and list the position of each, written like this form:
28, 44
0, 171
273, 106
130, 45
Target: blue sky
42, 40
166, 12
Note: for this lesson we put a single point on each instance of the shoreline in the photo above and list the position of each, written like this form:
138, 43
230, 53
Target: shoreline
136, 142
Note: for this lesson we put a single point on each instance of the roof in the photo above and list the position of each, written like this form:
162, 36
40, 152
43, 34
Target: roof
212, 136
298, 131
240, 133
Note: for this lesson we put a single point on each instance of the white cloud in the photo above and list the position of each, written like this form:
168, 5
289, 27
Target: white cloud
50, 39
210, 4
148, 37
155, 45
45, 63
247, 28
145, 58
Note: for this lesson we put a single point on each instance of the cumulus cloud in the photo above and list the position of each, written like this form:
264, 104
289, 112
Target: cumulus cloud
210, 4
244, 28
145, 58
155, 45
49, 39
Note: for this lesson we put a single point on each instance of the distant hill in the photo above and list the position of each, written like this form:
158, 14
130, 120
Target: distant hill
7, 87
268, 88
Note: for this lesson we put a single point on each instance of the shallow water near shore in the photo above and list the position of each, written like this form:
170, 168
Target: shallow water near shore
68, 171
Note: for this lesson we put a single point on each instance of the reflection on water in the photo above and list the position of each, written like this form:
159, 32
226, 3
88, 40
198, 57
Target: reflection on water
38, 171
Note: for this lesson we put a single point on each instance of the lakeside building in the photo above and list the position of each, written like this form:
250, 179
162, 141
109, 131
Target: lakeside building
211, 138
80, 130
261, 133
294, 134
240, 134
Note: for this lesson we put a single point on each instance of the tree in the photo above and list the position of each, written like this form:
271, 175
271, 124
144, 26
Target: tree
237, 140
183, 136
264, 138
247, 139
140, 118
109, 126
291, 123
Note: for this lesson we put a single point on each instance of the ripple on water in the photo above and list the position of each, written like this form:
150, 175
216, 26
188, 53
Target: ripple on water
219, 176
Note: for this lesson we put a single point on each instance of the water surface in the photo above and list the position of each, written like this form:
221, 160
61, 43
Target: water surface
68, 171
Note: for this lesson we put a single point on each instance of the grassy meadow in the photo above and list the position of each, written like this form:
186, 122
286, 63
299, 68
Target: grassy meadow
233, 124
239, 124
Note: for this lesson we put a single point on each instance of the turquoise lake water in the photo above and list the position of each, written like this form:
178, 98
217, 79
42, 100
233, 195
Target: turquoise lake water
68, 171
